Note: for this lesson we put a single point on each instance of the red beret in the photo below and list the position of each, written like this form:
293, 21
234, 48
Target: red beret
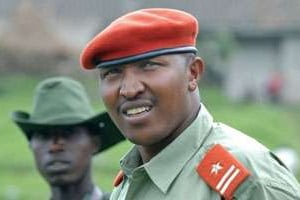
141, 34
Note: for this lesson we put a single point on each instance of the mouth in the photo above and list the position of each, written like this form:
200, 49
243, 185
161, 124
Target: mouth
136, 108
130, 112
58, 166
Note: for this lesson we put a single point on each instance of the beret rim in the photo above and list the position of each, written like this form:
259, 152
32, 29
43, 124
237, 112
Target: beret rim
150, 54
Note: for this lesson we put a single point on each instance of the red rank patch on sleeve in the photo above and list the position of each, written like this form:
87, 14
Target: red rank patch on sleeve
119, 178
222, 171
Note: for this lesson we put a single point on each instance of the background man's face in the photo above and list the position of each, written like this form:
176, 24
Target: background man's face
149, 100
63, 156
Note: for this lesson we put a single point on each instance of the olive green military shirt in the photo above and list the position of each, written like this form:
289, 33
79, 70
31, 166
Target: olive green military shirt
172, 175
96, 194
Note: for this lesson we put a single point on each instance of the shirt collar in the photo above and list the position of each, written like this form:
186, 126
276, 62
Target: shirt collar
182, 148
131, 161
96, 194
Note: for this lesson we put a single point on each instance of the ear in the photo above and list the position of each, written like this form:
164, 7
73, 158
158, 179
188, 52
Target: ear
30, 145
96, 140
196, 69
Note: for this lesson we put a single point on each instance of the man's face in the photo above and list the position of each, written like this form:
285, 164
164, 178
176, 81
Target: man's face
149, 100
63, 156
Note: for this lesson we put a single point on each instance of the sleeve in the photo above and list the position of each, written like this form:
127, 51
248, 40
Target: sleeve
269, 190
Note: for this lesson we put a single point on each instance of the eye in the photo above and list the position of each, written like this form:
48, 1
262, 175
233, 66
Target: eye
68, 132
110, 72
150, 65
41, 135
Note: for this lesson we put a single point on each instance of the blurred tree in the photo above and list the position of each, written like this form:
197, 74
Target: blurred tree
216, 49
29, 44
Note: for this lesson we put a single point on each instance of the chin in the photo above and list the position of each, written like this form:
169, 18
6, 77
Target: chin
58, 181
61, 180
145, 141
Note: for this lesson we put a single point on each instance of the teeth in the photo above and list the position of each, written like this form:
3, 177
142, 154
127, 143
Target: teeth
135, 111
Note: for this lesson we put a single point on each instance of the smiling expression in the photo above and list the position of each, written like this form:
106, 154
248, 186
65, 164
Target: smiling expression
151, 100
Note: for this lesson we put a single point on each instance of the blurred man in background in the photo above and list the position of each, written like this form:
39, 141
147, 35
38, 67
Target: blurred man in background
149, 75
64, 134
275, 86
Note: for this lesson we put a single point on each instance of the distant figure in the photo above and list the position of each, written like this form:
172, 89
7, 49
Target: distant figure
64, 134
274, 87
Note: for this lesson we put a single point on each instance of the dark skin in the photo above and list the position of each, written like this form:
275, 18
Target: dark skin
152, 101
63, 157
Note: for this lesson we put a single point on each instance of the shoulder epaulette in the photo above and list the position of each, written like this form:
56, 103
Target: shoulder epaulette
222, 171
119, 178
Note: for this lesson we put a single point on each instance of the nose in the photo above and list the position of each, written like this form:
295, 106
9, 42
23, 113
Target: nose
131, 84
56, 144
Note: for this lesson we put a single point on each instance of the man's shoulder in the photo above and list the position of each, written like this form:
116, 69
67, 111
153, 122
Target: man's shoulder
265, 169
256, 157
236, 142
222, 171
233, 171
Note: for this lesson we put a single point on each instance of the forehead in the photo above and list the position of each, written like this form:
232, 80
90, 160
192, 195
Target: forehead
66, 130
168, 58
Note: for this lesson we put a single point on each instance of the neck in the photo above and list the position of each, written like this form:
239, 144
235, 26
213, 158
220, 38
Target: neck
148, 152
73, 191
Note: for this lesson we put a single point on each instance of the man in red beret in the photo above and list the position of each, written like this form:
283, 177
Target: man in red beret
149, 75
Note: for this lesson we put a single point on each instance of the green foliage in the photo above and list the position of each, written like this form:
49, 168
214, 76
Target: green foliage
269, 124
273, 125
216, 48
